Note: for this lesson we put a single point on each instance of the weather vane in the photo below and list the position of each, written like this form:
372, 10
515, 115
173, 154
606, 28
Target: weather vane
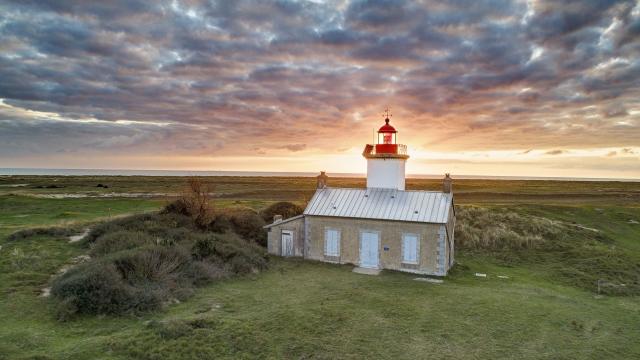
387, 114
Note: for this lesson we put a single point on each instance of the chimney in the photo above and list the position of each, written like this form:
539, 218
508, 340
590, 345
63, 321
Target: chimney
322, 180
277, 218
447, 184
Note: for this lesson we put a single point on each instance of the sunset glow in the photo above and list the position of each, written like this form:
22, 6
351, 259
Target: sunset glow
522, 88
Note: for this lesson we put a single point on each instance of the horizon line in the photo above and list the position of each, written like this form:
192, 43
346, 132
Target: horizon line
26, 171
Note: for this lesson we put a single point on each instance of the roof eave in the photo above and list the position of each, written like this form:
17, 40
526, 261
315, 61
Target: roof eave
284, 221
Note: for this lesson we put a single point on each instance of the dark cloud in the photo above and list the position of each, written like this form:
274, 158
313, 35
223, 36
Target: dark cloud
232, 76
555, 152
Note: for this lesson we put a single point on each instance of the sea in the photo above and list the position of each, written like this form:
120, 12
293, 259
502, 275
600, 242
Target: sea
133, 172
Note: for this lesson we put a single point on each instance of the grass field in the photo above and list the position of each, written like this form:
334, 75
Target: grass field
310, 310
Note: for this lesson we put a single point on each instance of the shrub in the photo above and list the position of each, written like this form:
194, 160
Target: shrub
204, 247
284, 208
178, 206
94, 288
120, 240
220, 223
248, 224
56, 231
155, 225
194, 202
202, 272
143, 261
239, 256
157, 264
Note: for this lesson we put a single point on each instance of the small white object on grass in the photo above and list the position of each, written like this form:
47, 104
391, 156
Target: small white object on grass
46, 292
430, 280
481, 275
503, 276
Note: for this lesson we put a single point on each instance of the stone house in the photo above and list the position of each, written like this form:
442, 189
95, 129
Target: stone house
382, 226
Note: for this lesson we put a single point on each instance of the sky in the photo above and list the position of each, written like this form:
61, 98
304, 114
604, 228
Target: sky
500, 88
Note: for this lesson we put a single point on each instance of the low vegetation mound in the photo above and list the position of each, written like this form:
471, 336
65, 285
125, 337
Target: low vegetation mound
141, 262
572, 254
284, 208
492, 229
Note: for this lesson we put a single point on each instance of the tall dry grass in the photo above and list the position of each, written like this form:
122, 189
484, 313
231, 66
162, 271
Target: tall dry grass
491, 229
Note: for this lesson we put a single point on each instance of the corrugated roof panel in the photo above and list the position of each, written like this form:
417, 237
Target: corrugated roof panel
388, 204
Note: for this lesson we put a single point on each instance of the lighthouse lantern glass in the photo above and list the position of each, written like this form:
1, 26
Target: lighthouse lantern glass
386, 138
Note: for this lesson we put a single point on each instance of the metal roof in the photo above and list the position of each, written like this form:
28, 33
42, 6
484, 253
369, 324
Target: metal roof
283, 221
377, 203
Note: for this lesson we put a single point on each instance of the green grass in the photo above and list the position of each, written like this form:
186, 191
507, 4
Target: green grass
311, 310
17, 212
302, 309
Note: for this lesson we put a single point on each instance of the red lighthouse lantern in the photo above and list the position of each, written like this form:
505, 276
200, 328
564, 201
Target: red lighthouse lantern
387, 139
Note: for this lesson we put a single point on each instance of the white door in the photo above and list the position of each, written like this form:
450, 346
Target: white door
369, 249
287, 243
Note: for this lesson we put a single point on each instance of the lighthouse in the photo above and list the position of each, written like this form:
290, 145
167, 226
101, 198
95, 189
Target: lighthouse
386, 159
382, 226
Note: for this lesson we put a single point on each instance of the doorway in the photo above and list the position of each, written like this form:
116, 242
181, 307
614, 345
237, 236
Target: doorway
287, 243
369, 249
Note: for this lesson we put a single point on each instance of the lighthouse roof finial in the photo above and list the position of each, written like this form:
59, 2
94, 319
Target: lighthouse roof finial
386, 128
387, 115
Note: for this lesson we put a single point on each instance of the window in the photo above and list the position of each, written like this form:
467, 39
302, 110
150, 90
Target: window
332, 242
410, 246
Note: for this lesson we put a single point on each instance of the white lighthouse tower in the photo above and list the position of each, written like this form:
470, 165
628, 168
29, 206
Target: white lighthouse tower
386, 159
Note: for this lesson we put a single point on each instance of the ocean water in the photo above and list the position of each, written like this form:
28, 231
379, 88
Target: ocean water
130, 172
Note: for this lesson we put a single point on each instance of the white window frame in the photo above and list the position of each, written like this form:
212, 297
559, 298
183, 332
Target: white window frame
417, 237
326, 242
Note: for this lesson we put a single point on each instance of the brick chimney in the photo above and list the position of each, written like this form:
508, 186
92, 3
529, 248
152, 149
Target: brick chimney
322, 180
277, 218
447, 184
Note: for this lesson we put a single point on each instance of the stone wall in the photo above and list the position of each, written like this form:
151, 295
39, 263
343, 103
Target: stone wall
274, 236
390, 245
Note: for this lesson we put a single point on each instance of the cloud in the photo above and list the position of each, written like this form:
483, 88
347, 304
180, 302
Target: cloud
231, 76
555, 152
294, 147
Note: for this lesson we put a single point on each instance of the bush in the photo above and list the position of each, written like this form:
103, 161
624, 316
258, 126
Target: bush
239, 256
284, 208
143, 261
220, 223
204, 247
94, 288
156, 264
248, 224
194, 202
155, 225
55, 231
120, 240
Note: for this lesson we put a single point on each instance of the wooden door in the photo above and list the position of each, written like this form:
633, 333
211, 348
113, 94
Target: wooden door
287, 243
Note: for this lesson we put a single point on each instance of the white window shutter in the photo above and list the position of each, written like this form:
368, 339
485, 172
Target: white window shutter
332, 242
410, 248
